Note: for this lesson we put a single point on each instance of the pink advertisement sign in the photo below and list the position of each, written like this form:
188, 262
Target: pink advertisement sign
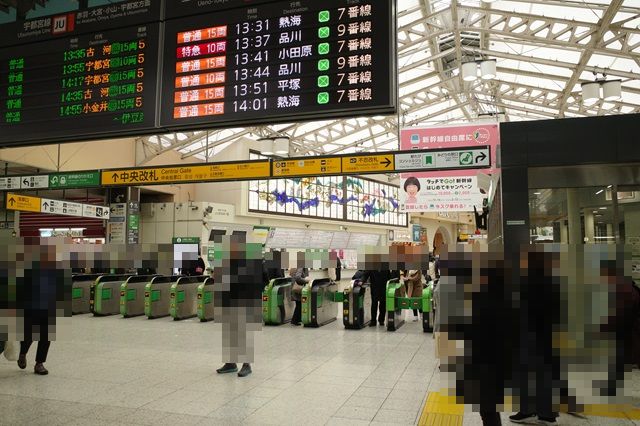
452, 137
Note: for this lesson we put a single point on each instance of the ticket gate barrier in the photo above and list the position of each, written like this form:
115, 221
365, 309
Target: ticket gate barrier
81, 292
132, 295
319, 300
397, 302
277, 303
184, 297
157, 296
104, 294
356, 305
205, 300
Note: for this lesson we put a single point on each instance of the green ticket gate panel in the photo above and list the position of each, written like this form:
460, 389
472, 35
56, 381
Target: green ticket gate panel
394, 311
80, 293
157, 296
397, 302
184, 297
277, 304
132, 295
105, 292
205, 300
356, 305
319, 302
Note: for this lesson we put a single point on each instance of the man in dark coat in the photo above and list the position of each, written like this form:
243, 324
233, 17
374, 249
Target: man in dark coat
378, 284
238, 299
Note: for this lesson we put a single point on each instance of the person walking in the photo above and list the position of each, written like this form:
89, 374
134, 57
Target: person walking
300, 279
378, 283
238, 299
413, 284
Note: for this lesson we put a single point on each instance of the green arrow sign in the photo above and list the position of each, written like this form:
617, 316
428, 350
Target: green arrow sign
75, 180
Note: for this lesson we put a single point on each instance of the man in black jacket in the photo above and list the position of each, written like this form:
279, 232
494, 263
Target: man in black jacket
378, 284
238, 302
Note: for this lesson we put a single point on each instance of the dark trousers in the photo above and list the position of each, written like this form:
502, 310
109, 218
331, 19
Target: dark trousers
378, 301
297, 313
41, 354
490, 418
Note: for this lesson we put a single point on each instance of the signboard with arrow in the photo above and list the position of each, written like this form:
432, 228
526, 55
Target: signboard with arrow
449, 159
59, 207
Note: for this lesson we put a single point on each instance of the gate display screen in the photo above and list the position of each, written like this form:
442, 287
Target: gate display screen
96, 84
281, 61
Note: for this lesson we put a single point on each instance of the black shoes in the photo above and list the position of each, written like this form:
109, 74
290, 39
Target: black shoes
245, 370
22, 361
372, 323
522, 417
295, 323
227, 368
40, 370
381, 323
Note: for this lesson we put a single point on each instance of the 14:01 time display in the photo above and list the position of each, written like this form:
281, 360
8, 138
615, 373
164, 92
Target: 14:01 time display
259, 104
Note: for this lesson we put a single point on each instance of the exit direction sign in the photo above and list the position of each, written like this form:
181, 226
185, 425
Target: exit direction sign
449, 159
34, 182
59, 207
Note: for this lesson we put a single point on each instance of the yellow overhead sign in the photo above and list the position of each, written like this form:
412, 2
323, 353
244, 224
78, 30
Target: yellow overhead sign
179, 174
368, 163
307, 167
23, 203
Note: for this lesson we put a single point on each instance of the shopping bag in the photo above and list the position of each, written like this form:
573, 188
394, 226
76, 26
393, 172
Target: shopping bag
11, 351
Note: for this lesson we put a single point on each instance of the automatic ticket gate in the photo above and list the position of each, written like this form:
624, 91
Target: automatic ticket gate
205, 300
132, 295
277, 305
104, 294
397, 302
157, 296
319, 300
81, 293
184, 297
356, 305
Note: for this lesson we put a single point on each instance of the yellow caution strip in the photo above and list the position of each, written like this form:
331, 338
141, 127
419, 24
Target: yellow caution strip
441, 410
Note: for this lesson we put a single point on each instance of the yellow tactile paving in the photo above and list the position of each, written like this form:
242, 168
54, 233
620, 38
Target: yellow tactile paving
442, 410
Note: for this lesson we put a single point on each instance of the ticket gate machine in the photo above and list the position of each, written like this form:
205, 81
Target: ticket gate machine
184, 297
104, 294
132, 295
277, 303
157, 296
319, 302
356, 305
205, 300
397, 301
81, 292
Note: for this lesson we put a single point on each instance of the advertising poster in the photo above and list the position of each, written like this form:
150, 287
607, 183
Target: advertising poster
449, 190
440, 194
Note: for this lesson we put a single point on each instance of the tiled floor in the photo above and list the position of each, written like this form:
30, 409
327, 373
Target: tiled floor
159, 372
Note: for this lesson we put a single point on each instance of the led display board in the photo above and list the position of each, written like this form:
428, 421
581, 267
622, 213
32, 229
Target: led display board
279, 61
180, 8
97, 84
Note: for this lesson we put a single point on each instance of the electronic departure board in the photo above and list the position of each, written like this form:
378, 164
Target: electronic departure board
98, 84
279, 61
180, 8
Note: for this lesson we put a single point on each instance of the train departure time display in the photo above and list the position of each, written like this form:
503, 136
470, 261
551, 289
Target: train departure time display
96, 84
281, 61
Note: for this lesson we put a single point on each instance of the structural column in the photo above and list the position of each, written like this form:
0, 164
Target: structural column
573, 216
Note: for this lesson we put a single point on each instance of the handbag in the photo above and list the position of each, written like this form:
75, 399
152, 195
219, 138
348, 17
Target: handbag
11, 350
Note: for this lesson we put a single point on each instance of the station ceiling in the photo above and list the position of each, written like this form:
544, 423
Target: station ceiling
545, 50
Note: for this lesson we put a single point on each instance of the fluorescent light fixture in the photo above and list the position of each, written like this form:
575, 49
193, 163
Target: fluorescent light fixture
469, 71
266, 146
590, 92
281, 146
609, 187
612, 90
600, 192
595, 211
537, 193
488, 69
603, 208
